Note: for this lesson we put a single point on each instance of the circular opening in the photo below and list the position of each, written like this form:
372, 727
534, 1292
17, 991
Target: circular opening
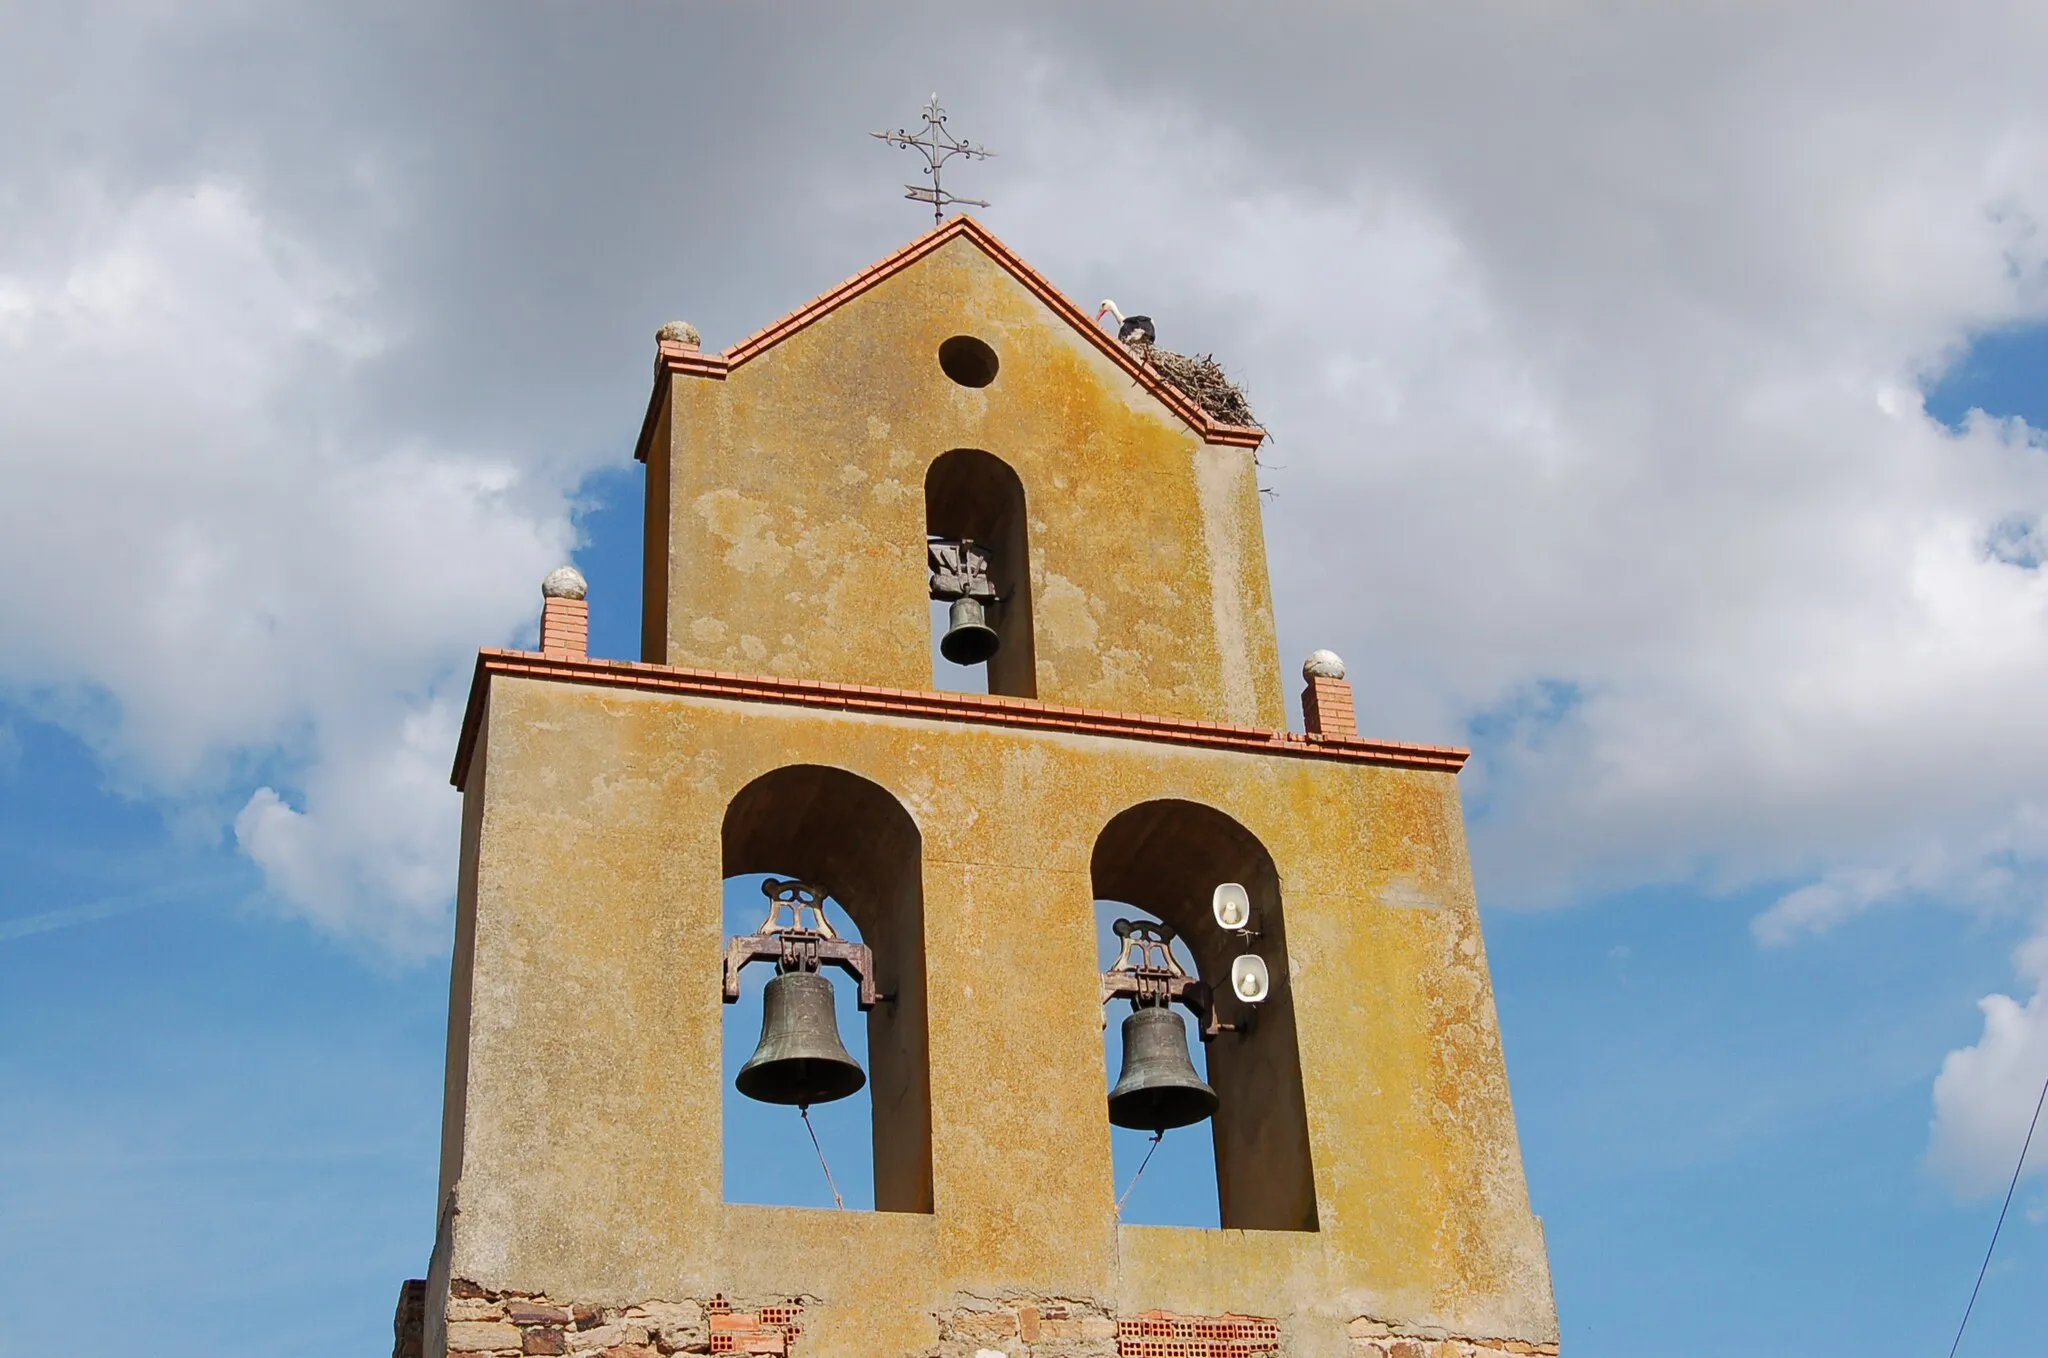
968, 361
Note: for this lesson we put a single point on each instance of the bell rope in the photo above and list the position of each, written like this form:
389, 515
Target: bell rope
1157, 1137
804, 1111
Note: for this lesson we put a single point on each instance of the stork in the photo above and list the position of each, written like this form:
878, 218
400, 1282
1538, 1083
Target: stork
1135, 331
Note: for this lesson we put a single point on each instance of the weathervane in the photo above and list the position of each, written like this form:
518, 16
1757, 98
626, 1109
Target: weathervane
938, 146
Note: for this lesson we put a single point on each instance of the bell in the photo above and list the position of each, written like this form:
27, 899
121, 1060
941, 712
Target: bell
799, 1059
969, 639
1158, 1088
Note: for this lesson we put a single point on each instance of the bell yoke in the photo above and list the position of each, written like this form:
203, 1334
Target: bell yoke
799, 1059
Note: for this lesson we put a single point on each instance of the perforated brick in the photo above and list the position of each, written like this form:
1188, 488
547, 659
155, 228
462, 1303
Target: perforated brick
766, 1331
1163, 1334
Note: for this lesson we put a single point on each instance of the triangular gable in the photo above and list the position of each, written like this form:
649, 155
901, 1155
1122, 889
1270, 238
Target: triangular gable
678, 358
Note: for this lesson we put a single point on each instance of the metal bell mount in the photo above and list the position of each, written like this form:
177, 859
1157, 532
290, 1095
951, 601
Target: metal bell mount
799, 1059
1158, 1089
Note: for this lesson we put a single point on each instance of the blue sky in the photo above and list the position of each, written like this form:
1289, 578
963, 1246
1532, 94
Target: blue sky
1596, 371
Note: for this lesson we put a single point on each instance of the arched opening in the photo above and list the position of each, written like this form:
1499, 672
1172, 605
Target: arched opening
970, 494
847, 835
1166, 858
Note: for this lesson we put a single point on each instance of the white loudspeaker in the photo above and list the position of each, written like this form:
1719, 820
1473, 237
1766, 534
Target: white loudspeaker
1248, 978
1233, 907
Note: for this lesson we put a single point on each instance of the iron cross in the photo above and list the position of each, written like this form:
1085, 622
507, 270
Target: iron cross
938, 146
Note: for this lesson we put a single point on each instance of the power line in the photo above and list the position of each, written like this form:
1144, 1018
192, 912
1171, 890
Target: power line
1985, 1266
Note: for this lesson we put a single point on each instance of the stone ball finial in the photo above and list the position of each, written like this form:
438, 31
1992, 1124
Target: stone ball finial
1322, 665
680, 332
564, 582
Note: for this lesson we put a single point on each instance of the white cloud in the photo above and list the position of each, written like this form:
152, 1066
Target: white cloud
377, 831
195, 532
1986, 1093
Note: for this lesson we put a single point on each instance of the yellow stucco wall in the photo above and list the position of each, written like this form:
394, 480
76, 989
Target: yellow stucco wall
786, 522
795, 513
590, 1163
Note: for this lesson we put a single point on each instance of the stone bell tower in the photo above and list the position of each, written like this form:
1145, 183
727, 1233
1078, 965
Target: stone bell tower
946, 424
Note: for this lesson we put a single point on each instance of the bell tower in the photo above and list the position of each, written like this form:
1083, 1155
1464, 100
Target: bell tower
946, 427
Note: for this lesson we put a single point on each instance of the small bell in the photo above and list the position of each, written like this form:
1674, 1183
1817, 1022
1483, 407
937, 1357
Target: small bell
969, 639
1158, 1088
800, 1058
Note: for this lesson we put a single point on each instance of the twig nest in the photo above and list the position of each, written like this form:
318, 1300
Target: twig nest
1204, 380
564, 582
1323, 665
680, 332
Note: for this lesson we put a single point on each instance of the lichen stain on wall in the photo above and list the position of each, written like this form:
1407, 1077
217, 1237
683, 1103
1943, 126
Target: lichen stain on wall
1064, 613
598, 946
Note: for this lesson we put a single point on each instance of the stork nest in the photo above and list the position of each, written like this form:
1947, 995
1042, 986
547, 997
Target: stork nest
1203, 379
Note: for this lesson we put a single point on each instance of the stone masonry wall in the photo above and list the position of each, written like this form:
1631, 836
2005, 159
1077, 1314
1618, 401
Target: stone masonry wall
485, 1324
503, 1324
1028, 1328
1370, 1339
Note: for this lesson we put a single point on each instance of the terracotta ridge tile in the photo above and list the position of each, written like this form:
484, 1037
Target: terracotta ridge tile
675, 359
991, 709
773, 333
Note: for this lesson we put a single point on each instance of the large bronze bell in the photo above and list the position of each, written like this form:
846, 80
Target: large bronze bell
969, 639
800, 1058
1158, 1088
